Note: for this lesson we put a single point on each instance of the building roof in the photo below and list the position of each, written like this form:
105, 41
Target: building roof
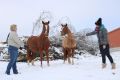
114, 30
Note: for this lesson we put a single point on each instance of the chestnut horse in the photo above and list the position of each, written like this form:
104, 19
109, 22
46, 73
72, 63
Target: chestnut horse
39, 44
68, 44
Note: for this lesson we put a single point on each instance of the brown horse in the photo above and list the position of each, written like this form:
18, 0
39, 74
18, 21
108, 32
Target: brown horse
68, 44
38, 44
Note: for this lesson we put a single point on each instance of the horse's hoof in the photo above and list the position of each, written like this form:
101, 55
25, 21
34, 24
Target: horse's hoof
33, 64
48, 65
28, 63
64, 62
42, 67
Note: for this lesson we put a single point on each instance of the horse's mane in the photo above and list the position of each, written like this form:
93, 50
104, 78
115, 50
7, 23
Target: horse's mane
68, 30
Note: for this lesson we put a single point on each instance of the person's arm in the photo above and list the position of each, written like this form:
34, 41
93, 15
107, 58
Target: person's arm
91, 33
17, 40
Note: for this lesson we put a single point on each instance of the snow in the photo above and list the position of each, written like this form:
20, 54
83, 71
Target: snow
85, 68
3, 45
57, 50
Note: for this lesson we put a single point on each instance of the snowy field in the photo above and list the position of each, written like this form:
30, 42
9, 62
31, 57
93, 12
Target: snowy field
85, 68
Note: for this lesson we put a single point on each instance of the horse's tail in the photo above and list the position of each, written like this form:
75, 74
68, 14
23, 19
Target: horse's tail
29, 54
71, 52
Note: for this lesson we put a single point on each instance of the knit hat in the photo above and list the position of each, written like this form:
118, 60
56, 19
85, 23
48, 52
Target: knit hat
99, 22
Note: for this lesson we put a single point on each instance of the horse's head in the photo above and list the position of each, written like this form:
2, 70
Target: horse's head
64, 29
45, 27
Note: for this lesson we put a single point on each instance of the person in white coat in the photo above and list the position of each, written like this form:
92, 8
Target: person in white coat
14, 43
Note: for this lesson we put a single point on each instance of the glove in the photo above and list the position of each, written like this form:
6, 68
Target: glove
25, 46
20, 48
104, 46
87, 34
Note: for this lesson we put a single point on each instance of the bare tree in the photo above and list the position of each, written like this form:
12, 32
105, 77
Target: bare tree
37, 25
86, 43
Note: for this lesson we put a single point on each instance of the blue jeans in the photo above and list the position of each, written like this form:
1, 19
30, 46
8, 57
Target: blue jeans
13, 51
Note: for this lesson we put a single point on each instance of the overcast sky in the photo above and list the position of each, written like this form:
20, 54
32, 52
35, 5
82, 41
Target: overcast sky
82, 13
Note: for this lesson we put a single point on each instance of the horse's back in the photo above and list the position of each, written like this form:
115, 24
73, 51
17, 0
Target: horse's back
32, 43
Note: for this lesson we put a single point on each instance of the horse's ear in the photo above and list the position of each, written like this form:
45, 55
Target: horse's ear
48, 22
62, 25
66, 25
43, 22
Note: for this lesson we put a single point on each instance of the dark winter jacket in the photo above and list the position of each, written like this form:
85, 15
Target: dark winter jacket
101, 35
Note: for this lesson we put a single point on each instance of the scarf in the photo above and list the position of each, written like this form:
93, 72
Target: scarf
97, 29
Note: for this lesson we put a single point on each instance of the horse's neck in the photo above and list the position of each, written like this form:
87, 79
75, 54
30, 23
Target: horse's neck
69, 34
45, 29
68, 31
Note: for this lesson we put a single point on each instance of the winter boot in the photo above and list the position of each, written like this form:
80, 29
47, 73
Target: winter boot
104, 65
113, 66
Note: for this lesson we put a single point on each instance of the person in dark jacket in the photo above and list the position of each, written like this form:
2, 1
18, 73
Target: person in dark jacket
102, 36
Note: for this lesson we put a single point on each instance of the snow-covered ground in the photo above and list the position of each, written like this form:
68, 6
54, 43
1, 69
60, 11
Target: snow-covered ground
85, 68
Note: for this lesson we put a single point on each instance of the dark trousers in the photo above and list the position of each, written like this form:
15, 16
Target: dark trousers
105, 52
13, 51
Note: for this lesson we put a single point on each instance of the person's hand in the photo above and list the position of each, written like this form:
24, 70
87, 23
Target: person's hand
25, 46
87, 34
20, 48
104, 46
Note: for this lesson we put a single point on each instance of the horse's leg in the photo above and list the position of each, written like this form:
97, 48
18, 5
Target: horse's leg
65, 55
69, 55
41, 56
33, 57
72, 56
47, 55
